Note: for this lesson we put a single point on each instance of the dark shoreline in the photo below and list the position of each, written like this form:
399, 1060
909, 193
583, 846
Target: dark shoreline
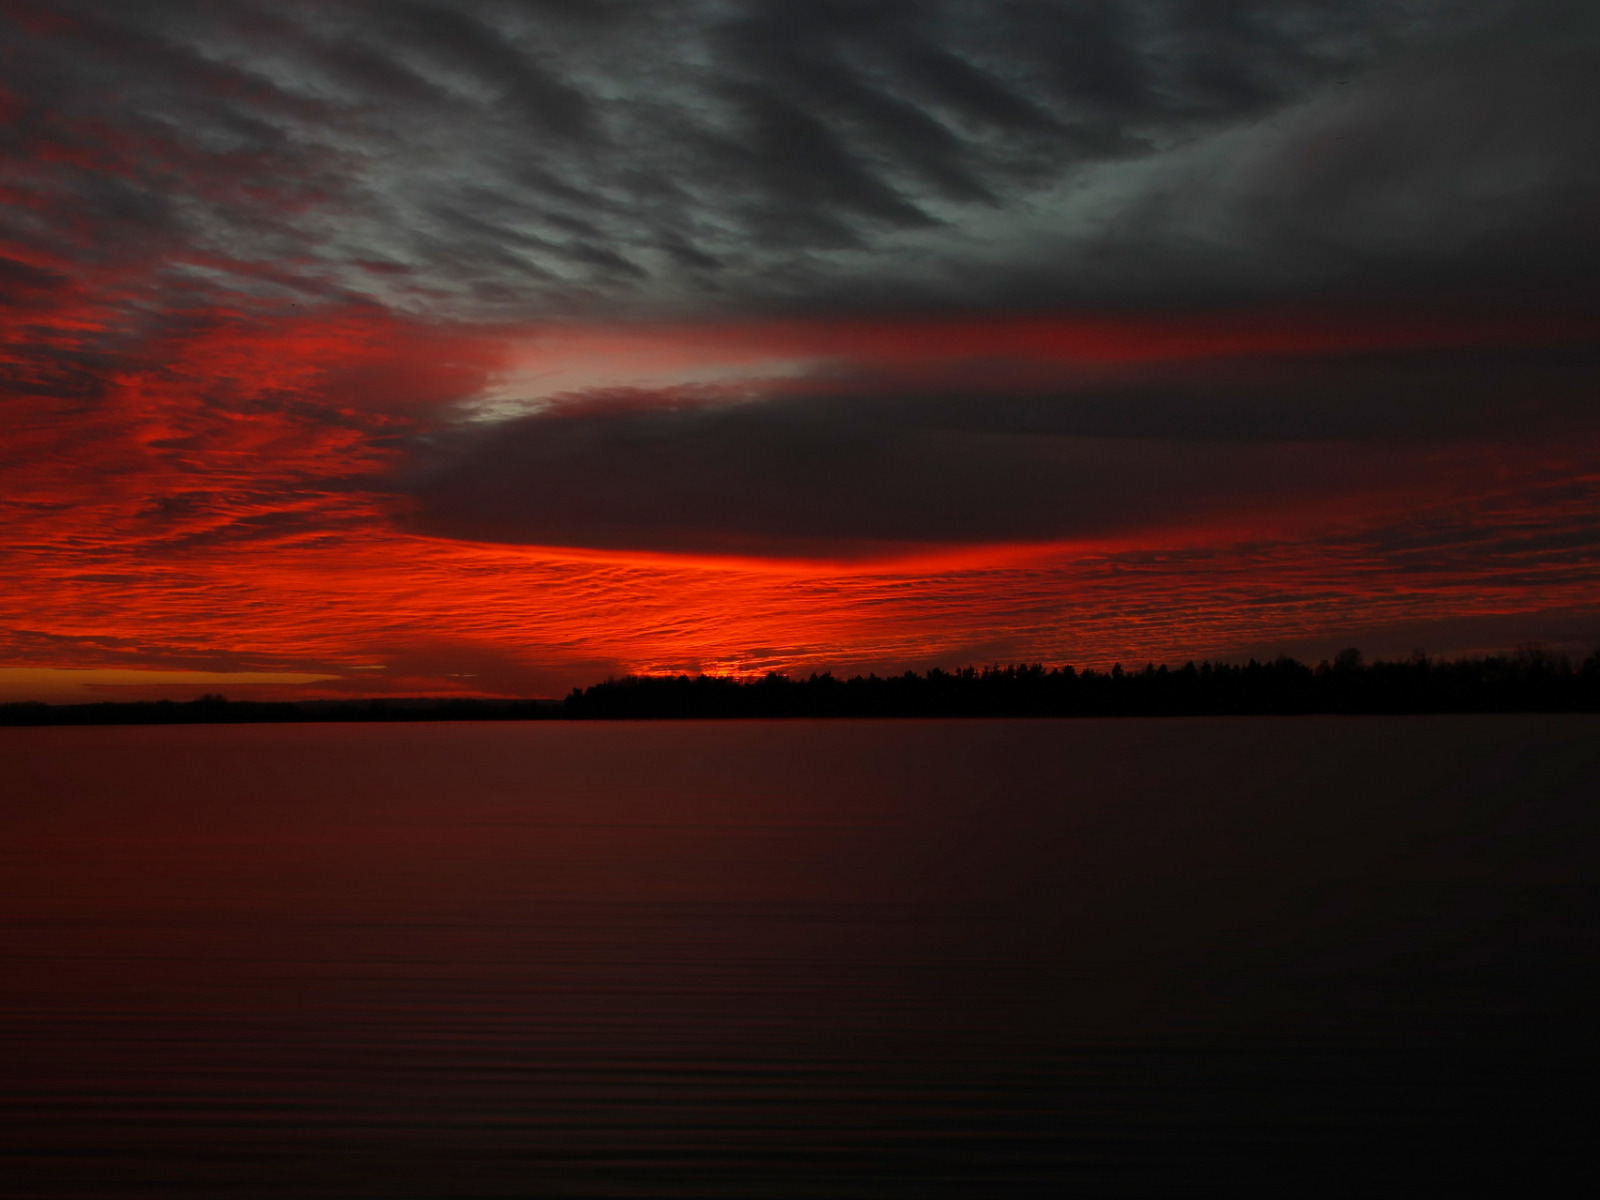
1529, 681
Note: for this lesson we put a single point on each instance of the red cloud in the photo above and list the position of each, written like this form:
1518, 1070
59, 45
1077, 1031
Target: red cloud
222, 499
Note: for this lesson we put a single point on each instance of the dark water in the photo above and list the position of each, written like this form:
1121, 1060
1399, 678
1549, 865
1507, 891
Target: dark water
924, 959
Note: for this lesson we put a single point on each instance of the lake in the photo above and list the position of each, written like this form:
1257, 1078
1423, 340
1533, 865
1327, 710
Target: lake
798, 959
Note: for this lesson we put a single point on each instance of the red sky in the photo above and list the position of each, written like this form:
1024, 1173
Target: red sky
300, 400
230, 503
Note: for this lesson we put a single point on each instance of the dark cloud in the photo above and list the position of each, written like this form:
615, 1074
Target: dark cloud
497, 160
782, 484
531, 95
525, 159
849, 472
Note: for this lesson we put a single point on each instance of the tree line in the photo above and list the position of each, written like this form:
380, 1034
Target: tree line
1527, 681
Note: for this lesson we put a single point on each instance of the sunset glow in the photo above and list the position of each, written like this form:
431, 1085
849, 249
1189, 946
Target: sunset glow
262, 439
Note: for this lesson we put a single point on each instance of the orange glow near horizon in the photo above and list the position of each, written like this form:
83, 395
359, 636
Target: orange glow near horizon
221, 505
442, 617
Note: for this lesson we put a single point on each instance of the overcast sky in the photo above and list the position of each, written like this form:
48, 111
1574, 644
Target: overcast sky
489, 346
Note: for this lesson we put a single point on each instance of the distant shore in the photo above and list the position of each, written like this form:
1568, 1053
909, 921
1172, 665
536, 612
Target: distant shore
1529, 681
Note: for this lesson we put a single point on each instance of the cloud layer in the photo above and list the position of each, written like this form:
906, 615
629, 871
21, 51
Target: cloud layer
522, 159
521, 341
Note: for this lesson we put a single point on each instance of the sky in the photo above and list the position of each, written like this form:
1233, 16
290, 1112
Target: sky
497, 347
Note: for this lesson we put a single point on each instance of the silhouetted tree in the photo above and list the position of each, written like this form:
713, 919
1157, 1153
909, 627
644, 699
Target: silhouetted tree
1529, 680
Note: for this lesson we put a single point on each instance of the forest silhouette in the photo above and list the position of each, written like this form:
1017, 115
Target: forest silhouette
1530, 680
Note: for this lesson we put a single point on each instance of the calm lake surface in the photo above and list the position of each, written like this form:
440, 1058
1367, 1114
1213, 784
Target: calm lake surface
798, 959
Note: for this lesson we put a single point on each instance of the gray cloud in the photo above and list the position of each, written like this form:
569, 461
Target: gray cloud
530, 159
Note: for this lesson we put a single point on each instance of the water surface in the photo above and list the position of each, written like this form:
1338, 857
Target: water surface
986, 958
